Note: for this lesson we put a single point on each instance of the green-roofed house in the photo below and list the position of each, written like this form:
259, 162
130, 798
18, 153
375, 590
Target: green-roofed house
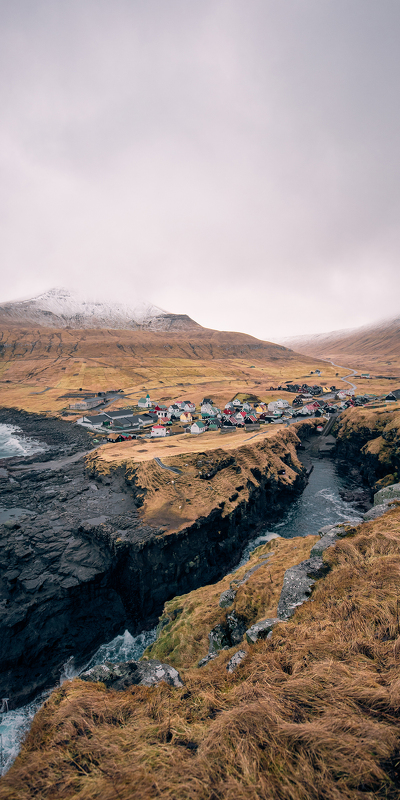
198, 427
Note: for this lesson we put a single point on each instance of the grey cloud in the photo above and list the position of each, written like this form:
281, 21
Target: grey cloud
235, 161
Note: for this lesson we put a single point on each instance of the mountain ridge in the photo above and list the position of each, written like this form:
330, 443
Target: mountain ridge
367, 346
61, 308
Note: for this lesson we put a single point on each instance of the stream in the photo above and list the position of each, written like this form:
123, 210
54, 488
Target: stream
320, 504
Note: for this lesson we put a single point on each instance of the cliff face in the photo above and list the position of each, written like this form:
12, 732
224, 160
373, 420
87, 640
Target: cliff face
370, 439
229, 501
84, 563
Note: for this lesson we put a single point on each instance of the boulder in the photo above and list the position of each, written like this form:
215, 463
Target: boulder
132, 673
378, 511
331, 533
261, 629
236, 659
219, 638
388, 493
227, 598
223, 636
297, 584
236, 627
207, 658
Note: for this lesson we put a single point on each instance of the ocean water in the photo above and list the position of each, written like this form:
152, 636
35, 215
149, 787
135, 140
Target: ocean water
14, 443
14, 725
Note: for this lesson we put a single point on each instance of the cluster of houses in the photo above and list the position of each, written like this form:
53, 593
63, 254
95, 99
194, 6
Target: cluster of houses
156, 419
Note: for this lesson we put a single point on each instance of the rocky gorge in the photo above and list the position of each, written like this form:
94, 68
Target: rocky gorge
79, 565
128, 567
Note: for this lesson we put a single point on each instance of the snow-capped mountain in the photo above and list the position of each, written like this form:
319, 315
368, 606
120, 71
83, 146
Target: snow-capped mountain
61, 308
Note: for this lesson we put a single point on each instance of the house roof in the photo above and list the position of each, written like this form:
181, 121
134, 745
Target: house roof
199, 424
97, 418
121, 412
123, 422
143, 418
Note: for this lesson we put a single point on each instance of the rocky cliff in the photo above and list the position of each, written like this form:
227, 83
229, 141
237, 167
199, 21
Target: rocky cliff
369, 438
80, 562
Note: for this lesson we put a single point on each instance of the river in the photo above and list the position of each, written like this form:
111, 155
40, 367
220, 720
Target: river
320, 504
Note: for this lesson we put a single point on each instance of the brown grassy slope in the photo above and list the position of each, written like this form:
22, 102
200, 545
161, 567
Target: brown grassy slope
169, 365
312, 714
376, 348
188, 619
176, 501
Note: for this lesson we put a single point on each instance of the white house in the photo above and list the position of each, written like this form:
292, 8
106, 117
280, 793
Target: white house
198, 427
282, 403
236, 403
188, 406
162, 413
158, 430
145, 402
207, 410
174, 410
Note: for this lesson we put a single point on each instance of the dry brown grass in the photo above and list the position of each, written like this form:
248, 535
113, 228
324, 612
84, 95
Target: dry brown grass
190, 617
175, 501
169, 365
312, 714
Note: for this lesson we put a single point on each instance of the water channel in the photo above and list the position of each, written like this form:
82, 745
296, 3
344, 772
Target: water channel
320, 504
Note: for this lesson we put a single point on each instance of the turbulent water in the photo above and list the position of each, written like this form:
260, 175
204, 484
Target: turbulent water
13, 443
15, 724
320, 504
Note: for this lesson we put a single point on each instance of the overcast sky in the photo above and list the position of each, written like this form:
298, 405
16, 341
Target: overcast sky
235, 161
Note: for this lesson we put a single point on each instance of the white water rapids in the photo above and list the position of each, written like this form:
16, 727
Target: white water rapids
14, 725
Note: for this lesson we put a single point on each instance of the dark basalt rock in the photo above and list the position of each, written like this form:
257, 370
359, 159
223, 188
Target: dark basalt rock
224, 635
132, 673
78, 566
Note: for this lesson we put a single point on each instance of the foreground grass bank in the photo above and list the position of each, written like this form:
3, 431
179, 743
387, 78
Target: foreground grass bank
311, 713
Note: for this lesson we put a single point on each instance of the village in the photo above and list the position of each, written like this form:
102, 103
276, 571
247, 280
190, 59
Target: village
151, 419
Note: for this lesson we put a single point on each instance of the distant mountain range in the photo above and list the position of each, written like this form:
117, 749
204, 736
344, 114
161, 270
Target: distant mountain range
61, 308
368, 345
